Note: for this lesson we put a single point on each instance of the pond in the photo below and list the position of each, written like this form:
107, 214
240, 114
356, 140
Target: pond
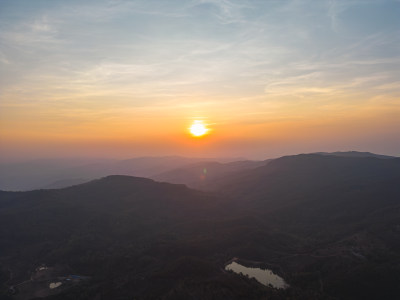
264, 276
54, 285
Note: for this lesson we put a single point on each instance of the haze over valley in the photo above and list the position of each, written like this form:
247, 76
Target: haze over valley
325, 223
199, 149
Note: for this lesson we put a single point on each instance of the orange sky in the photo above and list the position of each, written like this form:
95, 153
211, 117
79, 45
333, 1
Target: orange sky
129, 79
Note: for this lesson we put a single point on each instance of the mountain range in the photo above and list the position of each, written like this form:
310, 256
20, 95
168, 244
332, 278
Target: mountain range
326, 223
58, 173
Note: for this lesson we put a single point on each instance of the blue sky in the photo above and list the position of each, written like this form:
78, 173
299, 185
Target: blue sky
232, 62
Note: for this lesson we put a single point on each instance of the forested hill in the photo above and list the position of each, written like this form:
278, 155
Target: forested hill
111, 205
329, 225
308, 172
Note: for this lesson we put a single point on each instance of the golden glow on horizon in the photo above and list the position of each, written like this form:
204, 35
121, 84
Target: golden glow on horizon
198, 128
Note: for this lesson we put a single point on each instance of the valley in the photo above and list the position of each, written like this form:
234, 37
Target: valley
327, 225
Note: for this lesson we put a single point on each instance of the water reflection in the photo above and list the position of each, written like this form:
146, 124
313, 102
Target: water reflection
264, 276
54, 285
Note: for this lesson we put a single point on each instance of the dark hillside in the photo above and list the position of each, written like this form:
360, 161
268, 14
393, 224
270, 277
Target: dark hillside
355, 154
345, 209
328, 225
131, 236
285, 177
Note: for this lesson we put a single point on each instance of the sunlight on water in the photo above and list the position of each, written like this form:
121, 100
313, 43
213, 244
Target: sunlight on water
54, 285
264, 276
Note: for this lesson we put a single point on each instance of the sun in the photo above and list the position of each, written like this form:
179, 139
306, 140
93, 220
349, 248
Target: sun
198, 128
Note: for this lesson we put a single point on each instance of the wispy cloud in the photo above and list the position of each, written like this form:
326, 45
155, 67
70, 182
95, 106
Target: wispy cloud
227, 11
251, 58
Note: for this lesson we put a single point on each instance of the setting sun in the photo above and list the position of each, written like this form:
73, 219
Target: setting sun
198, 128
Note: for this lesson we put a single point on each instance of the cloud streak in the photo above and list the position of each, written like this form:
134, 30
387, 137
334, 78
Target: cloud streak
272, 59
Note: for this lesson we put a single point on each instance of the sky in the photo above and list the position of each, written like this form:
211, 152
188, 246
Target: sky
268, 78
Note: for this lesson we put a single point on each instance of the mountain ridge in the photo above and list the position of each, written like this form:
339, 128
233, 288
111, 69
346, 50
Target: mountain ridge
312, 218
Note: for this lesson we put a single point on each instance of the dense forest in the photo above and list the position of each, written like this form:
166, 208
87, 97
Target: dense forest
328, 224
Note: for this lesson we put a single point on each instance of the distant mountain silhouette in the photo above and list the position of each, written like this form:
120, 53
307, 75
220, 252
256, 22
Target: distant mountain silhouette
355, 154
328, 224
199, 175
42, 173
307, 172
65, 183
